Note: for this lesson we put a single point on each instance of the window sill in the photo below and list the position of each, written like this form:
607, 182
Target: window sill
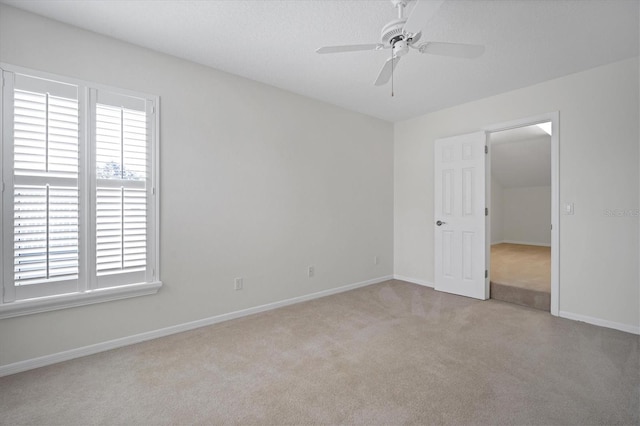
63, 301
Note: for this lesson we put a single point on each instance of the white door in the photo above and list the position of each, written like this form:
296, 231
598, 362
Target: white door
460, 215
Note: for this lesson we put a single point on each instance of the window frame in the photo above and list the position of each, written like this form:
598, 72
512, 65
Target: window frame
87, 292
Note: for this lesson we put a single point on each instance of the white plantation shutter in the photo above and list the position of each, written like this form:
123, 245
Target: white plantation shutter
45, 233
45, 200
121, 236
79, 199
45, 133
121, 200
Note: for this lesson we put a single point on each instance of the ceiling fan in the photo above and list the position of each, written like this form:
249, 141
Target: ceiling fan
403, 33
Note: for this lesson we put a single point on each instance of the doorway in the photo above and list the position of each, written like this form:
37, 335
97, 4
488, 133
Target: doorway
522, 226
462, 225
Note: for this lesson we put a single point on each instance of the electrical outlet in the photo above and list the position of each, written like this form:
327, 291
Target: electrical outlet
311, 271
376, 260
238, 284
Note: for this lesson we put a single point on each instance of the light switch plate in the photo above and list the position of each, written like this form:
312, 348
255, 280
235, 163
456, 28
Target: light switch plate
568, 208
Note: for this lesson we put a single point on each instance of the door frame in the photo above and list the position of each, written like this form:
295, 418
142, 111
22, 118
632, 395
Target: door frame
554, 118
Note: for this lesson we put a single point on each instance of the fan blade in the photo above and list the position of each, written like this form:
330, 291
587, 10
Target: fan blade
349, 48
387, 69
457, 50
422, 13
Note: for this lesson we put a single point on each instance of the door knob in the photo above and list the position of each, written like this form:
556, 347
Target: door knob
440, 223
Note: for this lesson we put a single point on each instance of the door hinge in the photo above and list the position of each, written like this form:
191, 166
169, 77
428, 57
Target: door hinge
486, 273
486, 149
552, 226
486, 211
153, 191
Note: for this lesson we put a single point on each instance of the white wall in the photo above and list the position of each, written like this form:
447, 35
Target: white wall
256, 182
527, 215
599, 141
496, 211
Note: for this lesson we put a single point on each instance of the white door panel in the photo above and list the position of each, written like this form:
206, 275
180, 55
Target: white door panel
460, 210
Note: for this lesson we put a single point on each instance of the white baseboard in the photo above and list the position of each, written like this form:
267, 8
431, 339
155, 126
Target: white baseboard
603, 323
42, 361
413, 280
525, 243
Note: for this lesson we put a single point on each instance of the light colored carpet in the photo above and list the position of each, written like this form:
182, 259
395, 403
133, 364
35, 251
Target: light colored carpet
520, 265
521, 296
521, 274
392, 353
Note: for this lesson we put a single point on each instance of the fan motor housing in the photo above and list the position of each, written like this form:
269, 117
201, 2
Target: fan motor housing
392, 32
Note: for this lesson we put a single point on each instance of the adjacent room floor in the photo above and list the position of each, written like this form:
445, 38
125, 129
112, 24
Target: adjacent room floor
390, 353
521, 274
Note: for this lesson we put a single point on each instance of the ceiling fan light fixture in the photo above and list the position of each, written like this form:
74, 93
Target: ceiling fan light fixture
400, 48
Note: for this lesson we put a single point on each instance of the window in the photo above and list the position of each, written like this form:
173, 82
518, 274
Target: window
80, 194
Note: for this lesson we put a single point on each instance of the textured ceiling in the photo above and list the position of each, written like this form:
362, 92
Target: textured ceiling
272, 41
